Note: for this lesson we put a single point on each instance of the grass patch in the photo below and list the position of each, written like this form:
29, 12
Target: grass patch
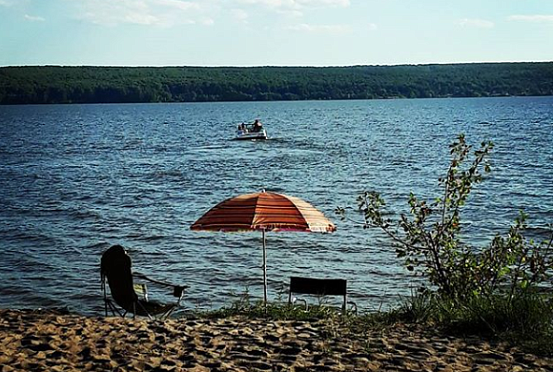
525, 321
275, 311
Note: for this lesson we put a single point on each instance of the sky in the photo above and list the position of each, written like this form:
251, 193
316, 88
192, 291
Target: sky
273, 32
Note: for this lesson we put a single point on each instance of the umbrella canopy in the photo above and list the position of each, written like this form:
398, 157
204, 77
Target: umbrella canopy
265, 211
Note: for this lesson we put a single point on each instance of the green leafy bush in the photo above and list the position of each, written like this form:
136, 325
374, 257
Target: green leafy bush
428, 239
502, 288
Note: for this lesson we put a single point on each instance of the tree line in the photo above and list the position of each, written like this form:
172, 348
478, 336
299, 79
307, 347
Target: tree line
59, 84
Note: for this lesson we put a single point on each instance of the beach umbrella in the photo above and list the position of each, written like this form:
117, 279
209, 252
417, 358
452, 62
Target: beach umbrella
264, 211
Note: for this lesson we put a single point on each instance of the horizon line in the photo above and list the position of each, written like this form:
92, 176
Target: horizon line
280, 66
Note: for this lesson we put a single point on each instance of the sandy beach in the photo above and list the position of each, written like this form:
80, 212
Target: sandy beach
49, 341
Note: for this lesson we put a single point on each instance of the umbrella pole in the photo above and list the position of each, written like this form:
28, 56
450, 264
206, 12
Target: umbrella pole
264, 271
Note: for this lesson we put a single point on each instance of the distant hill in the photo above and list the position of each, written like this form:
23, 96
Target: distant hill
55, 84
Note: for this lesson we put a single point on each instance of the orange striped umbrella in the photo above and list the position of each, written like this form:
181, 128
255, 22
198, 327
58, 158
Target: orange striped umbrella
265, 211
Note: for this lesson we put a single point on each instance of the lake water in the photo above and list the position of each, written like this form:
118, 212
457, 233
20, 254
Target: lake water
75, 179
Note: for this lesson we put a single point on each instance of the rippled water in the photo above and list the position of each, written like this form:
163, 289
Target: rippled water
76, 179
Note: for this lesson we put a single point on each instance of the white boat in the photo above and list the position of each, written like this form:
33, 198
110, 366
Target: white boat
260, 135
251, 132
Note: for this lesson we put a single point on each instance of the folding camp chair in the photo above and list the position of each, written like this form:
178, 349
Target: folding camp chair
131, 297
320, 287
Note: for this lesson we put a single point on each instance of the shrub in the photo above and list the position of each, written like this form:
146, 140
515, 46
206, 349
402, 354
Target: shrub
493, 289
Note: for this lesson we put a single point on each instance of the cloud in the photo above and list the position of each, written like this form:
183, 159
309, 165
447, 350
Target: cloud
6, 3
532, 18
321, 29
296, 3
294, 7
371, 26
33, 18
475, 23
240, 15
173, 12
291, 13
142, 12
323, 2
176, 4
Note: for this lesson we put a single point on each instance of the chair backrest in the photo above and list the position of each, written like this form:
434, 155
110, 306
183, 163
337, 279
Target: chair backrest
116, 267
320, 287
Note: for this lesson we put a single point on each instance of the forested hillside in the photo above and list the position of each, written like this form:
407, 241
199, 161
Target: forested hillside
52, 84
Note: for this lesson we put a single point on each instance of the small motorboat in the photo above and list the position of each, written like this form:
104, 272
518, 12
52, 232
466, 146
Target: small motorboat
253, 131
261, 135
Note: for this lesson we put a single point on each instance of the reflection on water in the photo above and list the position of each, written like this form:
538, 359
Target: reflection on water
76, 179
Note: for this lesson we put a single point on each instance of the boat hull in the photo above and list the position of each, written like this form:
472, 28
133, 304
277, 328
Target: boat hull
261, 135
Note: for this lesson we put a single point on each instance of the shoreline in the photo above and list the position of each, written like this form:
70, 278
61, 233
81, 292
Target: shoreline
45, 340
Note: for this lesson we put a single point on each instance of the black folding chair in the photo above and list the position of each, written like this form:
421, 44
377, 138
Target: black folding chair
130, 297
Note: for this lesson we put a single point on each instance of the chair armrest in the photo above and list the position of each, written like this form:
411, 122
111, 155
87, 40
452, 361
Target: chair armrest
177, 289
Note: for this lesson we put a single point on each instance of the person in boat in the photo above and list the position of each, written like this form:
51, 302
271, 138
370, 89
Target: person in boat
257, 126
242, 128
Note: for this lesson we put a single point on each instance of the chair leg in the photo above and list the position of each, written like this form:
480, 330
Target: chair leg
111, 306
168, 313
143, 308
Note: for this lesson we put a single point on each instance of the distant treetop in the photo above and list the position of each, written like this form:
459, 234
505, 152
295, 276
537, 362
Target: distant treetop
56, 84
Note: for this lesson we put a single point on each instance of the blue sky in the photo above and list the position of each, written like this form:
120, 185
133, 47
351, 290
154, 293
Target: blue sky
273, 32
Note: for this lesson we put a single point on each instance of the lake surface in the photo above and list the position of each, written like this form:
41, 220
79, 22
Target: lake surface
75, 179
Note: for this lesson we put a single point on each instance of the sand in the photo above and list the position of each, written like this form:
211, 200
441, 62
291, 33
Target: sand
47, 341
